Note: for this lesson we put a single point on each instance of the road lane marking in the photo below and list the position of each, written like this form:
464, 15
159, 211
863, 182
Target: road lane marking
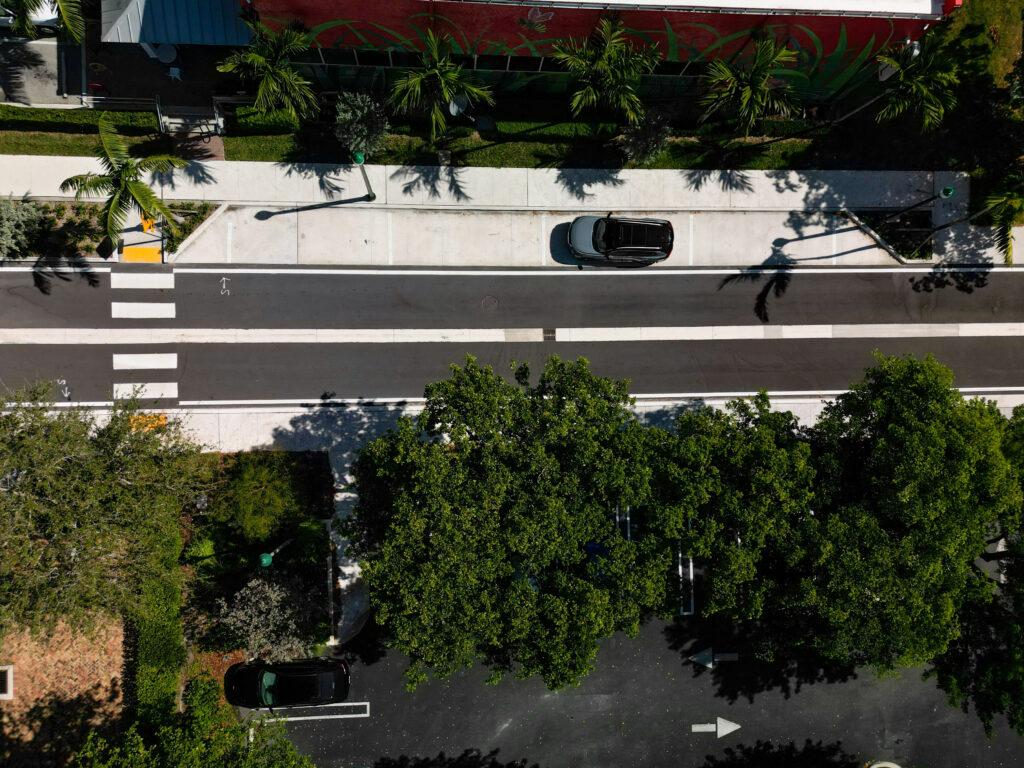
279, 715
123, 336
142, 309
147, 280
165, 390
145, 362
598, 271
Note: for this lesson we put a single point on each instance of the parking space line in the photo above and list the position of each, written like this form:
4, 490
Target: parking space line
342, 716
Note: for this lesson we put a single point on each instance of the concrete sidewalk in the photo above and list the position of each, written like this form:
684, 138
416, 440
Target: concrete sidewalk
310, 213
518, 239
294, 184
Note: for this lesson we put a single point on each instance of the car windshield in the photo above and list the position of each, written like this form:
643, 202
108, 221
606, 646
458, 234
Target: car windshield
268, 689
604, 235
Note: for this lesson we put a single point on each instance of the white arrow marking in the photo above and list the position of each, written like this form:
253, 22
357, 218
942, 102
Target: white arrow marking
705, 658
721, 727
708, 658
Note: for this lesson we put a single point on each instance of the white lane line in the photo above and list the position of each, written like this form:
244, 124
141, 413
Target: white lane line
503, 335
152, 391
597, 271
344, 715
142, 309
148, 280
145, 362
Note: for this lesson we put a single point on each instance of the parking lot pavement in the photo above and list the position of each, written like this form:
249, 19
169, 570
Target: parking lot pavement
524, 239
637, 709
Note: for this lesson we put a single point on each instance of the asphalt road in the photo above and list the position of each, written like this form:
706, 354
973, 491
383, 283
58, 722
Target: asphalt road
349, 299
637, 708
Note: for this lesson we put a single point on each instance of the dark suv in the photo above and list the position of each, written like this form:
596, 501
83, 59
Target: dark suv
300, 683
619, 240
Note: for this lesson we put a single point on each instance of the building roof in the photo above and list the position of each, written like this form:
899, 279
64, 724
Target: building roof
179, 22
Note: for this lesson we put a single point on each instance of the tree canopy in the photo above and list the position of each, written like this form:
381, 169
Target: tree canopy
488, 524
90, 511
911, 481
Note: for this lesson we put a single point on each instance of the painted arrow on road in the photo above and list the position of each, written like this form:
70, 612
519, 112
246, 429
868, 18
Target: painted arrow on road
721, 727
708, 658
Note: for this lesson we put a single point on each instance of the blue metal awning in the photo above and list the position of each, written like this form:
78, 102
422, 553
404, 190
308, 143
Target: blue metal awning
178, 22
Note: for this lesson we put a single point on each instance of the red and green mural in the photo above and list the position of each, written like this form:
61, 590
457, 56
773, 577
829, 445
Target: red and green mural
833, 49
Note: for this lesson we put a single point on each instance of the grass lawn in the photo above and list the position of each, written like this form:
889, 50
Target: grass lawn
46, 143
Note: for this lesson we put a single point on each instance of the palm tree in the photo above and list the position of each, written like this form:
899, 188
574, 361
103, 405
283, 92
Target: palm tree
436, 83
69, 11
1007, 208
267, 61
607, 68
753, 90
921, 81
121, 182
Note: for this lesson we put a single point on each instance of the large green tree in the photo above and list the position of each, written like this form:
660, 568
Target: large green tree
90, 511
607, 68
911, 481
750, 89
488, 526
205, 734
122, 183
735, 487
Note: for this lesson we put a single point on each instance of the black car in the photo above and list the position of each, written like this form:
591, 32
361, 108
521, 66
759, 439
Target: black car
300, 683
619, 240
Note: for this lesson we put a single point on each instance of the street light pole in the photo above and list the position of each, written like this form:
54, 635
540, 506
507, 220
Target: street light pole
359, 158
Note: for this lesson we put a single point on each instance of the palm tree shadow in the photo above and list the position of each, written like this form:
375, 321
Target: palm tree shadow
734, 180
431, 179
777, 283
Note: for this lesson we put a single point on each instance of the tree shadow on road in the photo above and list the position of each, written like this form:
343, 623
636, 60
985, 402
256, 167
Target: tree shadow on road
765, 754
470, 758
964, 279
768, 658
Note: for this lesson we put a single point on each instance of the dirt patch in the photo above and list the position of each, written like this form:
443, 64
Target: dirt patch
65, 684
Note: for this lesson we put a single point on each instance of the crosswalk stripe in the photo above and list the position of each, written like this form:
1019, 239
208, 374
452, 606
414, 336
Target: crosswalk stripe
152, 391
145, 362
142, 309
146, 280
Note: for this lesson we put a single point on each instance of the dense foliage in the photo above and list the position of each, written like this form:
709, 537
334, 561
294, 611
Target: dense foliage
205, 734
19, 225
360, 124
91, 512
488, 526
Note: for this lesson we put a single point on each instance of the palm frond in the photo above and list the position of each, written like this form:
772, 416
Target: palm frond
112, 149
114, 215
145, 201
87, 185
71, 17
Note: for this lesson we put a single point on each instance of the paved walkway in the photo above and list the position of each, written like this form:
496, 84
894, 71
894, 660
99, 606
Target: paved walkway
309, 213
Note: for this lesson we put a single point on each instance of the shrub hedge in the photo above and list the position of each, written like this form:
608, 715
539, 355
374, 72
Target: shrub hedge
74, 120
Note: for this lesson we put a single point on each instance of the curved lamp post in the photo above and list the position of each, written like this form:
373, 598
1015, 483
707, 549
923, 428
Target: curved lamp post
360, 158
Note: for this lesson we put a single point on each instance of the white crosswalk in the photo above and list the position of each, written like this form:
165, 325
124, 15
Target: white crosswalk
142, 310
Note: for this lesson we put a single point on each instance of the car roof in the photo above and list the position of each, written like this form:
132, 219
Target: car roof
640, 233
